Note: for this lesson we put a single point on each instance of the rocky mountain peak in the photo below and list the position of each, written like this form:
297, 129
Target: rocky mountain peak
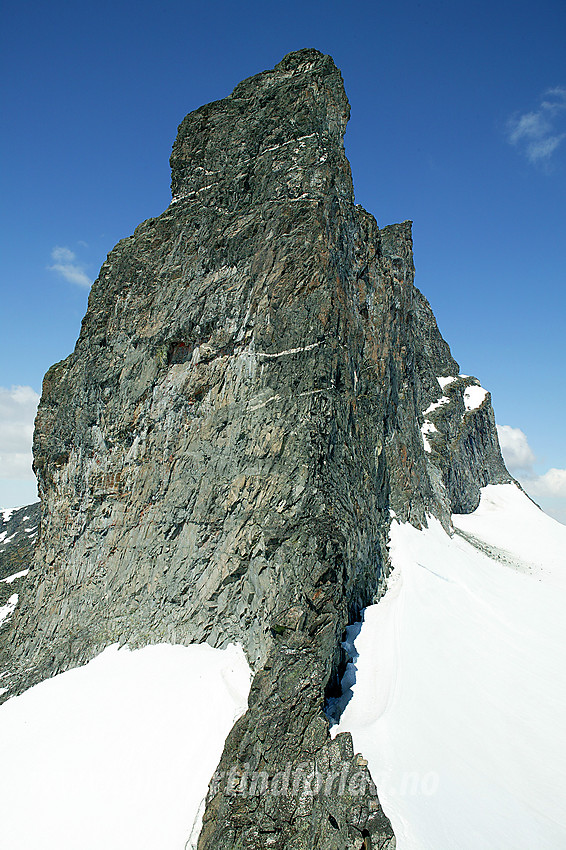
277, 137
257, 387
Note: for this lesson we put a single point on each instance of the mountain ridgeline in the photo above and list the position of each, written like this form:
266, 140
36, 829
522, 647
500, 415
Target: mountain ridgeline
219, 458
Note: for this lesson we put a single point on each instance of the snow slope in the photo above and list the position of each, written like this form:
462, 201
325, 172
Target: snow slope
118, 754
460, 696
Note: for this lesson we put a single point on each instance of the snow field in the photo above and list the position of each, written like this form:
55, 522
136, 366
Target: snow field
118, 754
460, 692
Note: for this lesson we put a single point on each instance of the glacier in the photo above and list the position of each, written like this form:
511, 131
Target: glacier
460, 689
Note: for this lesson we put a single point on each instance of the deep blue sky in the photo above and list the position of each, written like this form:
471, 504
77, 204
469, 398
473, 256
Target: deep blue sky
93, 94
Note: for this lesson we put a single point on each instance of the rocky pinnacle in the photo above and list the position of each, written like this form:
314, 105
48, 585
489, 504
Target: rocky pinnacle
218, 458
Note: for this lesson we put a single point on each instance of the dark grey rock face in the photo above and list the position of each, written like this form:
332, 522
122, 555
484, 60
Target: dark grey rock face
218, 458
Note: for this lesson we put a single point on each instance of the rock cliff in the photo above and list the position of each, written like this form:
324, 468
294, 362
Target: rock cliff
253, 391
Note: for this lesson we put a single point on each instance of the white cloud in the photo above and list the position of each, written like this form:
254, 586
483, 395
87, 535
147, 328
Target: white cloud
67, 266
548, 489
518, 455
538, 134
18, 406
532, 125
559, 102
544, 148
550, 485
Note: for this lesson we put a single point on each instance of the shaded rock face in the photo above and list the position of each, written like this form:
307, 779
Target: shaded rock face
218, 458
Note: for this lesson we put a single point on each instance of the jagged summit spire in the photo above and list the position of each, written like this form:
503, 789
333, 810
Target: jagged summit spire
278, 136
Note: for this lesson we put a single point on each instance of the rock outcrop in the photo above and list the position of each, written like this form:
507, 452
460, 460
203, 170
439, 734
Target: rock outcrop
18, 536
218, 458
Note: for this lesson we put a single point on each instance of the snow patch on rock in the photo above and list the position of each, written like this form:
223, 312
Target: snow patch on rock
436, 404
8, 609
473, 397
427, 428
13, 577
445, 381
7, 513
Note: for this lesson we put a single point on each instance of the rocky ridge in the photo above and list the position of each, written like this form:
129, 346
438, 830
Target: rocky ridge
254, 390
18, 535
